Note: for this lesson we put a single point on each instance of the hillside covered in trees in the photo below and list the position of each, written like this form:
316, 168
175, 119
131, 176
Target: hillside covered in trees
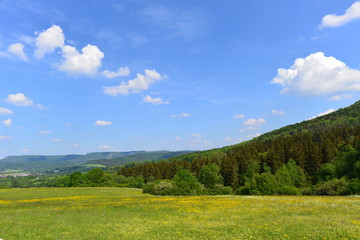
314, 152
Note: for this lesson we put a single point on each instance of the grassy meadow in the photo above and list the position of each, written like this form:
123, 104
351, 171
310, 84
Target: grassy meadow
124, 213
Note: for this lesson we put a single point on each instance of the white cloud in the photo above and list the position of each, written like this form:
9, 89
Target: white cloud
182, 115
323, 113
197, 135
43, 132
121, 72
5, 111
333, 20
178, 138
154, 101
228, 139
277, 112
25, 150
238, 116
341, 96
58, 140
48, 41
87, 62
317, 75
17, 50
254, 122
103, 123
104, 147
6, 138
19, 99
7, 122
136, 85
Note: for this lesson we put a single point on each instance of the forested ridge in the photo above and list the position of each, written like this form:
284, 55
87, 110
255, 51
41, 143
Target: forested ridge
309, 145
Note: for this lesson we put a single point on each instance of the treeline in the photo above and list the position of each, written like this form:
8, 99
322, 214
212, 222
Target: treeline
309, 145
339, 177
309, 150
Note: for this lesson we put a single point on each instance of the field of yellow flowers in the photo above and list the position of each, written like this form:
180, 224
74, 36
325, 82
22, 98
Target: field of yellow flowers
123, 213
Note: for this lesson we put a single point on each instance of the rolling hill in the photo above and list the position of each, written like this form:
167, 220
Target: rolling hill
310, 144
35, 163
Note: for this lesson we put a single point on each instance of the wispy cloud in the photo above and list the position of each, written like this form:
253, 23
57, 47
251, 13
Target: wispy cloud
277, 112
179, 23
238, 116
182, 115
103, 123
6, 138
5, 111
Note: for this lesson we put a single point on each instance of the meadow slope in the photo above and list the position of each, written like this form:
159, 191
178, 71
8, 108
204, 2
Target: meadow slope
123, 213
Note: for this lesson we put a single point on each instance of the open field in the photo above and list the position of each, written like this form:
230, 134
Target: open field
122, 213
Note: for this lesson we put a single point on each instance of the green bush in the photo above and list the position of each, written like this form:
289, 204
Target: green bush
159, 187
333, 187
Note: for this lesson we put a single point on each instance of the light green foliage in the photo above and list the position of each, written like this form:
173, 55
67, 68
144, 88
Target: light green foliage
326, 172
209, 175
186, 184
159, 187
95, 176
121, 213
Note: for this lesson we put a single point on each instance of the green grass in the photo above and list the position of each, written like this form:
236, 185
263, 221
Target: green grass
122, 213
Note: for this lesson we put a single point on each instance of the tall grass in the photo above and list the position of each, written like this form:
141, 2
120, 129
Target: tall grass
121, 213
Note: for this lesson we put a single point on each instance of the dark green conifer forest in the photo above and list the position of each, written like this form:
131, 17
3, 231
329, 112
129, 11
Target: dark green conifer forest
319, 156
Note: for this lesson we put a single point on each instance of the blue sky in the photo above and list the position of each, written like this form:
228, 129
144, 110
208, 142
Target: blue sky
87, 76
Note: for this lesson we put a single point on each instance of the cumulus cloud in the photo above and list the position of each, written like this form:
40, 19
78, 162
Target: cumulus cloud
48, 41
317, 75
254, 122
323, 113
238, 116
154, 101
17, 50
333, 20
7, 122
19, 99
277, 112
121, 72
6, 138
136, 85
87, 62
182, 115
103, 123
5, 111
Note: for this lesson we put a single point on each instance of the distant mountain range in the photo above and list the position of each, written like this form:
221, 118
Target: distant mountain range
35, 163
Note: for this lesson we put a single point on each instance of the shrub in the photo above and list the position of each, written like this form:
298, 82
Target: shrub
333, 187
159, 187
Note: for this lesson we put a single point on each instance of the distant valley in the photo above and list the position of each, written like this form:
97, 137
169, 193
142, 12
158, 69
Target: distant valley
72, 162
